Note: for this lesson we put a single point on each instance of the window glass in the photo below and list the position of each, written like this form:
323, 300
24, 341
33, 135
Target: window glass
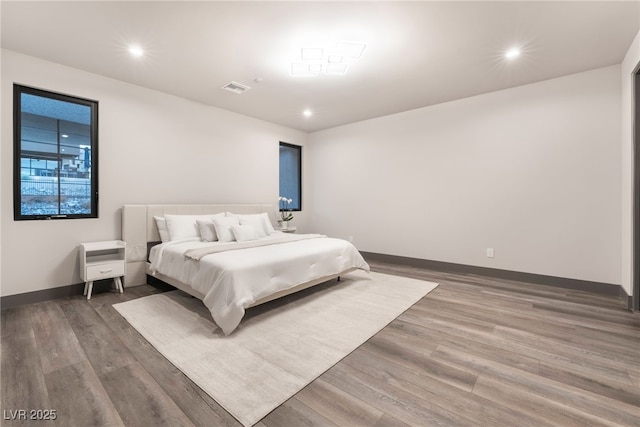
56, 139
291, 174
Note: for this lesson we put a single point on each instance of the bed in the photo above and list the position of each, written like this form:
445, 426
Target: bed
229, 256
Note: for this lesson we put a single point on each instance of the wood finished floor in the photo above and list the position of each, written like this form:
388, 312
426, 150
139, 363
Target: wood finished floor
475, 351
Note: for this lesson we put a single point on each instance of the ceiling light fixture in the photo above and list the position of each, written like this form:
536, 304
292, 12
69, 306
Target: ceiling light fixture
301, 69
136, 51
311, 53
336, 69
332, 59
512, 53
350, 49
307, 113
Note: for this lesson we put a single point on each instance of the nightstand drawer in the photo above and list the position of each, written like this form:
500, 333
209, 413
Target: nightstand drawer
105, 271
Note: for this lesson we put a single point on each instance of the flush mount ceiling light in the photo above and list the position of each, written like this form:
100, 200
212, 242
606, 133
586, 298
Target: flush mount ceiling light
315, 68
336, 69
302, 69
311, 53
332, 59
307, 113
349, 49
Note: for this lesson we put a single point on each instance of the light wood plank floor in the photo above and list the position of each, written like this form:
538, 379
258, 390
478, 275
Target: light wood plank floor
475, 351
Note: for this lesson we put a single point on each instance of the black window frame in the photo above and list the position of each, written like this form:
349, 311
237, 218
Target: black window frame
298, 148
18, 90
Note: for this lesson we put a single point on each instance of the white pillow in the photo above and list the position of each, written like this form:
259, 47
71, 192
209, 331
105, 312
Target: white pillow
223, 227
260, 221
256, 222
161, 223
244, 233
183, 226
206, 228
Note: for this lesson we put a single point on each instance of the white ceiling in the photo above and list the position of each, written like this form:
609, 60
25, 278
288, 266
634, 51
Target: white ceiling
417, 54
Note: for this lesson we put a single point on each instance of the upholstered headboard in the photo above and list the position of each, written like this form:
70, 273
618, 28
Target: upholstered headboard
138, 228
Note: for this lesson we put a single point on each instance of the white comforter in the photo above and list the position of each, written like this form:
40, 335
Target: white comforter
233, 279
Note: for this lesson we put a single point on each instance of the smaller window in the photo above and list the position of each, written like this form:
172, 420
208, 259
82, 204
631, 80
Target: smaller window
55, 155
291, 174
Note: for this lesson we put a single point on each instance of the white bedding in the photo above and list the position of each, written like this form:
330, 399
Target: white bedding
233, 279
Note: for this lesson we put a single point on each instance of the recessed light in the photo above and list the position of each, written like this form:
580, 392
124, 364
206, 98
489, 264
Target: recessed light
512, 53
307, 113
136, 51
64, 135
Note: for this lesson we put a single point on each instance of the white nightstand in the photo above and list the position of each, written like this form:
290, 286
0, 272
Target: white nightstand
102, 260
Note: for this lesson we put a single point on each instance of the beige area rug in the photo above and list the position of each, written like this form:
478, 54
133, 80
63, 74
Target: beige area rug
279, 347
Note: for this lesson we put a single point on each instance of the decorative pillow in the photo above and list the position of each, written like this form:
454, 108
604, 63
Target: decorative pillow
206, 228
223, 227
244, 233
260, 221
183, 226
161, 223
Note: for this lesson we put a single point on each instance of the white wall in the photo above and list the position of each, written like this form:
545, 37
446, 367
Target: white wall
628, 67
153, 148
533, 172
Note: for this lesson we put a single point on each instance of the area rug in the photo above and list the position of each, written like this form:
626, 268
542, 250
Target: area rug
279, 347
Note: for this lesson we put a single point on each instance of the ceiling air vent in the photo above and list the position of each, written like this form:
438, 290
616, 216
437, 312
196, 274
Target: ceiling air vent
235, 87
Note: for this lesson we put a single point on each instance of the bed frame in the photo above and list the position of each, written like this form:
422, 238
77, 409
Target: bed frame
139, 229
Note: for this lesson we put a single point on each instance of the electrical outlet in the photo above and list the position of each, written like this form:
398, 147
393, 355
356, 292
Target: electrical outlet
490, 253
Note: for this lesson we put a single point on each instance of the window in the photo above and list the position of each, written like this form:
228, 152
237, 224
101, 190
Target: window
291, 174
55, 156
